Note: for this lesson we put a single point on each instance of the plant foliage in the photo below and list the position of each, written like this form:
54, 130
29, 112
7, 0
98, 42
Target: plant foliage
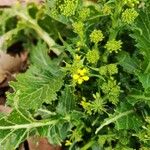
88, 82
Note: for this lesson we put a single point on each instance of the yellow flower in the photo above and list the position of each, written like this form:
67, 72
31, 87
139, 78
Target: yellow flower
86, 78
86, 105
76, 76
82, 71
80, 81
80, 76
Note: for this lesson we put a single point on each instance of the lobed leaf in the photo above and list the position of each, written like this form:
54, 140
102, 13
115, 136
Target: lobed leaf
9, 130
141, 33
130, 121
129, 64
66, 101
39, 84
144, 79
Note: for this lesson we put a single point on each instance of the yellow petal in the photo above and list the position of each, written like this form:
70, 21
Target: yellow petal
80, 80
86, 78
75, 76
82, 71
78, 71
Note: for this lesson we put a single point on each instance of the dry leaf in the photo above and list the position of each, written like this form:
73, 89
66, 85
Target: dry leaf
5, 109
10, 65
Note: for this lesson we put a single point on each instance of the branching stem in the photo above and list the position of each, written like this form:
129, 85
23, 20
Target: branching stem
114, 119
44, 35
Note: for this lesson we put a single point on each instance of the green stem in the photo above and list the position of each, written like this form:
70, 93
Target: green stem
115, 20
46, 111
140, 97
88, 145
113, 120
98, 76
8, 37
28, 126
114, 28
113, 33
44, 35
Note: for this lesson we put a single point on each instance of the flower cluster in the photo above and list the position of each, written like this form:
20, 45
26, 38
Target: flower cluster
68, 143
84, 14
110, 69
54, 12
144, 135
98, 105
68, 8
80, 76
77, 58
112, 90
77, 63
129, 15
95, 106
106, 10
131, 3
78, 28
86, 105
93, 56
113, 46
96, 36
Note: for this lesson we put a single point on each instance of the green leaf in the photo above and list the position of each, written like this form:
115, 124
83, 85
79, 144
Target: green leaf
131, 98
6, 16
142, 33
56, 133
129, 64
35, 88
39, 84
142, 36
128, 122
39, 57
144, 79
14, 135
139, 96
113, 119
67, 101
18, 125
124, 118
